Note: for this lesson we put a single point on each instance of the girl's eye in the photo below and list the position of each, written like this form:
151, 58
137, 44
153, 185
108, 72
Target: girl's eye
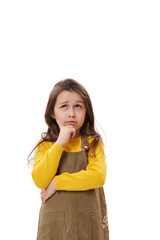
63, 106
78, 106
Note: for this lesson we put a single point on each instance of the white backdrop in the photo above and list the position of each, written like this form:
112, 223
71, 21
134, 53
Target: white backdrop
112, 48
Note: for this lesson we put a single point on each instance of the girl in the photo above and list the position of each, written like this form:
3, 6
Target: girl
70, 169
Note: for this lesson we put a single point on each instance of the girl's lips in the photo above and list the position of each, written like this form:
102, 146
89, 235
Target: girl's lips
71, 122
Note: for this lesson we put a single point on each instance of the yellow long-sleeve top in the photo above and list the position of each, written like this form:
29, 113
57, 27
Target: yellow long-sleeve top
46, 162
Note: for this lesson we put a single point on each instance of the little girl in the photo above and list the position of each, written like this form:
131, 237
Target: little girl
70, 169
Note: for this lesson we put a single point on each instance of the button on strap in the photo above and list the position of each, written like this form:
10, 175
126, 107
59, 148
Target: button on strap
84, 143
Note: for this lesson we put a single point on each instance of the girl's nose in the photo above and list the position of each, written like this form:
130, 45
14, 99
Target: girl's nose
71, 113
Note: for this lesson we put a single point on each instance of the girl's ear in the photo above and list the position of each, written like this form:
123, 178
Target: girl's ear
53, 116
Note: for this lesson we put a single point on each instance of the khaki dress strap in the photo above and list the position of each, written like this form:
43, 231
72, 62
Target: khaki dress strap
84, 142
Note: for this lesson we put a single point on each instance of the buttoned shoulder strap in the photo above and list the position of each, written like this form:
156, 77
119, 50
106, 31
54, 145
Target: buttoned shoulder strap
84, 143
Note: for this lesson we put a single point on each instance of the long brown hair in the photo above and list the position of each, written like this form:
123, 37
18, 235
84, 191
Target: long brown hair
88, 127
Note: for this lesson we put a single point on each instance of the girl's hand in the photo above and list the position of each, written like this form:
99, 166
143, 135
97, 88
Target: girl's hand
48, 191
66, 133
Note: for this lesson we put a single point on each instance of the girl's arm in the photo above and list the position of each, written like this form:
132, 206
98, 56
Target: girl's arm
46, 162
94, 176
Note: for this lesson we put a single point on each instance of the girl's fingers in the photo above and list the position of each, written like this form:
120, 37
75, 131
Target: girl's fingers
73, 134
44, 200
43, 194
43, 197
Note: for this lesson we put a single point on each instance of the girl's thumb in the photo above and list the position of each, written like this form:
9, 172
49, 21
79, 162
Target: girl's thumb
73, 134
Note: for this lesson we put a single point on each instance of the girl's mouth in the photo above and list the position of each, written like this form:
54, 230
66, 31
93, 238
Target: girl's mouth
71, 122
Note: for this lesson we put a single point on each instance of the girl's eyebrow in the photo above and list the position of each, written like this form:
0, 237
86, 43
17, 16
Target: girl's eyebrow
80, 102
62, 102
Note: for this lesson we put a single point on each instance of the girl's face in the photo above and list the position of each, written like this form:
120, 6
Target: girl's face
70, 109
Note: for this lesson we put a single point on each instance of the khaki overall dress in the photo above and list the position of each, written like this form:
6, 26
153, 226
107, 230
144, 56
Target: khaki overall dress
74, 215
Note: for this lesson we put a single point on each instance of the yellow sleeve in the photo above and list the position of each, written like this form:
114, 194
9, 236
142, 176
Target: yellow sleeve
93, 177
46, 163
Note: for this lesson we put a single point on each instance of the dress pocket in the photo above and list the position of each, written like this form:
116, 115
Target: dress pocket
56, 226
51, 225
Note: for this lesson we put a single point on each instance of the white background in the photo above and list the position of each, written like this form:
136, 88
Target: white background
113, 49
